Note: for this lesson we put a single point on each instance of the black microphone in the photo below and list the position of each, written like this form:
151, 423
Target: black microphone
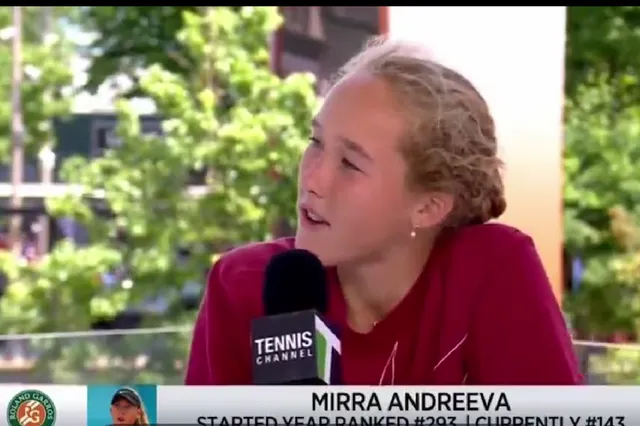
292, 344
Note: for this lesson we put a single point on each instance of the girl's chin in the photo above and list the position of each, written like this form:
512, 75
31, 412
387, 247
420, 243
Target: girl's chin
327, 257
303, 243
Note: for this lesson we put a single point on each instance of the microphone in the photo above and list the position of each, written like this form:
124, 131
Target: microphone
292, 344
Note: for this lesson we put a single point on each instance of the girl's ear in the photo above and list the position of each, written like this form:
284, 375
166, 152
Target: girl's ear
432, 209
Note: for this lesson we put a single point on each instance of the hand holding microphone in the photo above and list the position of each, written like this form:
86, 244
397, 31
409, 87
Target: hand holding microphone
292, 344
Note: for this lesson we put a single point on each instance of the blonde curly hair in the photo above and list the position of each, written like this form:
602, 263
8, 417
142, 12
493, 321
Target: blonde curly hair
450, 145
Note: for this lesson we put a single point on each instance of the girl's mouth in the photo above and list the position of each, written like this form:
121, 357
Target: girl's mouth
310, 218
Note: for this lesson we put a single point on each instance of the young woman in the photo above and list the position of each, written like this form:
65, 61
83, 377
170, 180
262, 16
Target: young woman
395, 191
127, 408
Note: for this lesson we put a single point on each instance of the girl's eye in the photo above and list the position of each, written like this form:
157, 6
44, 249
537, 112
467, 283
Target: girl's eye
348, 164
315, 141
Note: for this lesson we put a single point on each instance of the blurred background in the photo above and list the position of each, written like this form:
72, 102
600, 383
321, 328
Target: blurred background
137, 144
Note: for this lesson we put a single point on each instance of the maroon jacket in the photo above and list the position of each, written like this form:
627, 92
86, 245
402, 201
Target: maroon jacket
481, 313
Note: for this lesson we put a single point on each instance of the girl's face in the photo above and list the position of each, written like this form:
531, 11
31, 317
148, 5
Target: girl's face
124, 413
352, 175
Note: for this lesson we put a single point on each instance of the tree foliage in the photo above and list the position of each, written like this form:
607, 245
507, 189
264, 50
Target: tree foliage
602, 180
603, 40
230, 116
47, 77
602, 199
134, 38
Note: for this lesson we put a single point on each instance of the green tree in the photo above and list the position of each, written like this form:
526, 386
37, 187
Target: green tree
229, 116
602, 202
125, 46
604, 41
47, 77
602, 184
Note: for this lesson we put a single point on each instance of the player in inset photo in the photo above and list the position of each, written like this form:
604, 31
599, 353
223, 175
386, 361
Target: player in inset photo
127, 408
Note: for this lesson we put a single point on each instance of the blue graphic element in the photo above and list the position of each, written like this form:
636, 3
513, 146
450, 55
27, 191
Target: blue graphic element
99, 402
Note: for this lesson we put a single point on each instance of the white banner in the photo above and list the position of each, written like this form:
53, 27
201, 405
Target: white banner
421, 406
50, 405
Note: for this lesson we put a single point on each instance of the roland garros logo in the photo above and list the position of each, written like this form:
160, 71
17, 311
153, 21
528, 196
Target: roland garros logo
31, 408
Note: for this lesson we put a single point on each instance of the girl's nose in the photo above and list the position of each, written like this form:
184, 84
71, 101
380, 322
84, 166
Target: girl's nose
316, 175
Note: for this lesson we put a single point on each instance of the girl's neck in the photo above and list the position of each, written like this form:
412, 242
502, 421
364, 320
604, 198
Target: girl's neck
375, 288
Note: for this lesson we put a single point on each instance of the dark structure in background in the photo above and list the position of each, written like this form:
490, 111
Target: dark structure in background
319, 39
86, 135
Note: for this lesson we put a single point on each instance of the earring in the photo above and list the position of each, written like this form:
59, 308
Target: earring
413, 232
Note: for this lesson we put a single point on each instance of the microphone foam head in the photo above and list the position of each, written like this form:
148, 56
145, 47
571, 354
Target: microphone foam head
295, 280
